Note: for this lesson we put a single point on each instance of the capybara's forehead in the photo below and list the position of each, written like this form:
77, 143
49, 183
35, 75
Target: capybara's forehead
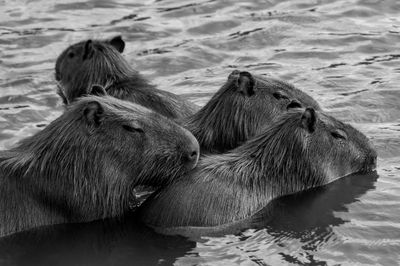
74, 46
328, 120
332, 122
113, 104
80, 45
322, 118
264, 82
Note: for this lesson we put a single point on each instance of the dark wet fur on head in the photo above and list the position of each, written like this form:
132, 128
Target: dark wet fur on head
301, 150
102, 65
83, 165
243, 105
97, 62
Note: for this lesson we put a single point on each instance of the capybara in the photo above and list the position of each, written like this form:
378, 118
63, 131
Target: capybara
244, 104
83, 165
99, 62
300, 150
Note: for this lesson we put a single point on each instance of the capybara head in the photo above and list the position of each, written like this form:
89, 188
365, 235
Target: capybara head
337, 147
153, 150
239, 110
313, 146
92, 156
90, 62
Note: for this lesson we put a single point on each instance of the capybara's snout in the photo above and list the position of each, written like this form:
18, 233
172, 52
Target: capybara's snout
370, 158
191, 152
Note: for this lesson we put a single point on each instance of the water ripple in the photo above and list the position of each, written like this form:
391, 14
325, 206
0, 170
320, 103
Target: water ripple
344, 53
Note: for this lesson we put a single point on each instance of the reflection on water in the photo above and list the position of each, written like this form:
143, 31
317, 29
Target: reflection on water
99, 243
304, 222
306, 219
344, 53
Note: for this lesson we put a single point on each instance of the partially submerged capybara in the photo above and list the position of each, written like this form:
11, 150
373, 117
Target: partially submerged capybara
301, 150
83, 165
238, 111
99, 62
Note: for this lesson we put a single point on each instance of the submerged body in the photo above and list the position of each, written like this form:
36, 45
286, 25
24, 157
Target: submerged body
299, 151
241, 108
96, 62
84, 165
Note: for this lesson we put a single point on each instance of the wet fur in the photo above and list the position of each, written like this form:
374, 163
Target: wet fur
104, 65
76, 170
241, 108
286, 158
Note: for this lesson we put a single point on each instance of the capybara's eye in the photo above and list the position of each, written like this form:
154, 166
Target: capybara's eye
279, 95
132, 129
294, 104
71, 54
339, 134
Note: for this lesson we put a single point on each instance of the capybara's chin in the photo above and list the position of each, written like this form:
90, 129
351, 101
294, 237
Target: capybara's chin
300, 150
241, 108
100, 62
84, 165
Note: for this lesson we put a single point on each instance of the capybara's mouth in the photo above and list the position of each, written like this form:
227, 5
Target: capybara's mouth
369, 165
366, 170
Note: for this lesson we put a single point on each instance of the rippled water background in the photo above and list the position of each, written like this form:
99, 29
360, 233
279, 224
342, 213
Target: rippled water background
344, 53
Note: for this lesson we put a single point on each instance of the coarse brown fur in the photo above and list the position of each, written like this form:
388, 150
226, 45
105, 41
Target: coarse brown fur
83, 165
238, 111
301, 150
99, 62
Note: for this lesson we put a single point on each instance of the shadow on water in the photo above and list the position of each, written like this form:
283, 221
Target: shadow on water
307, 217
110, 242
315, 208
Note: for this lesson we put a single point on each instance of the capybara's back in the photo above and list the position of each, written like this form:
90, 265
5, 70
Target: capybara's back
84, 165
99, 62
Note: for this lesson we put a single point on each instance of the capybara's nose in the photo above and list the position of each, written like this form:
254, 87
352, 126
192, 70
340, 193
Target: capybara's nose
372, 155
370, 161
193, 157
374, 162
192, 153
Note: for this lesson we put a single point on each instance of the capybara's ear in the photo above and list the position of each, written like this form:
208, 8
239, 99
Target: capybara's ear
93, 113
246, 83
88, 50
293, 104
97, 90
118, 43
309, 119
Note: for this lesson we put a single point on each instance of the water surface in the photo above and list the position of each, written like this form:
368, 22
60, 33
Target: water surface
344, 53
